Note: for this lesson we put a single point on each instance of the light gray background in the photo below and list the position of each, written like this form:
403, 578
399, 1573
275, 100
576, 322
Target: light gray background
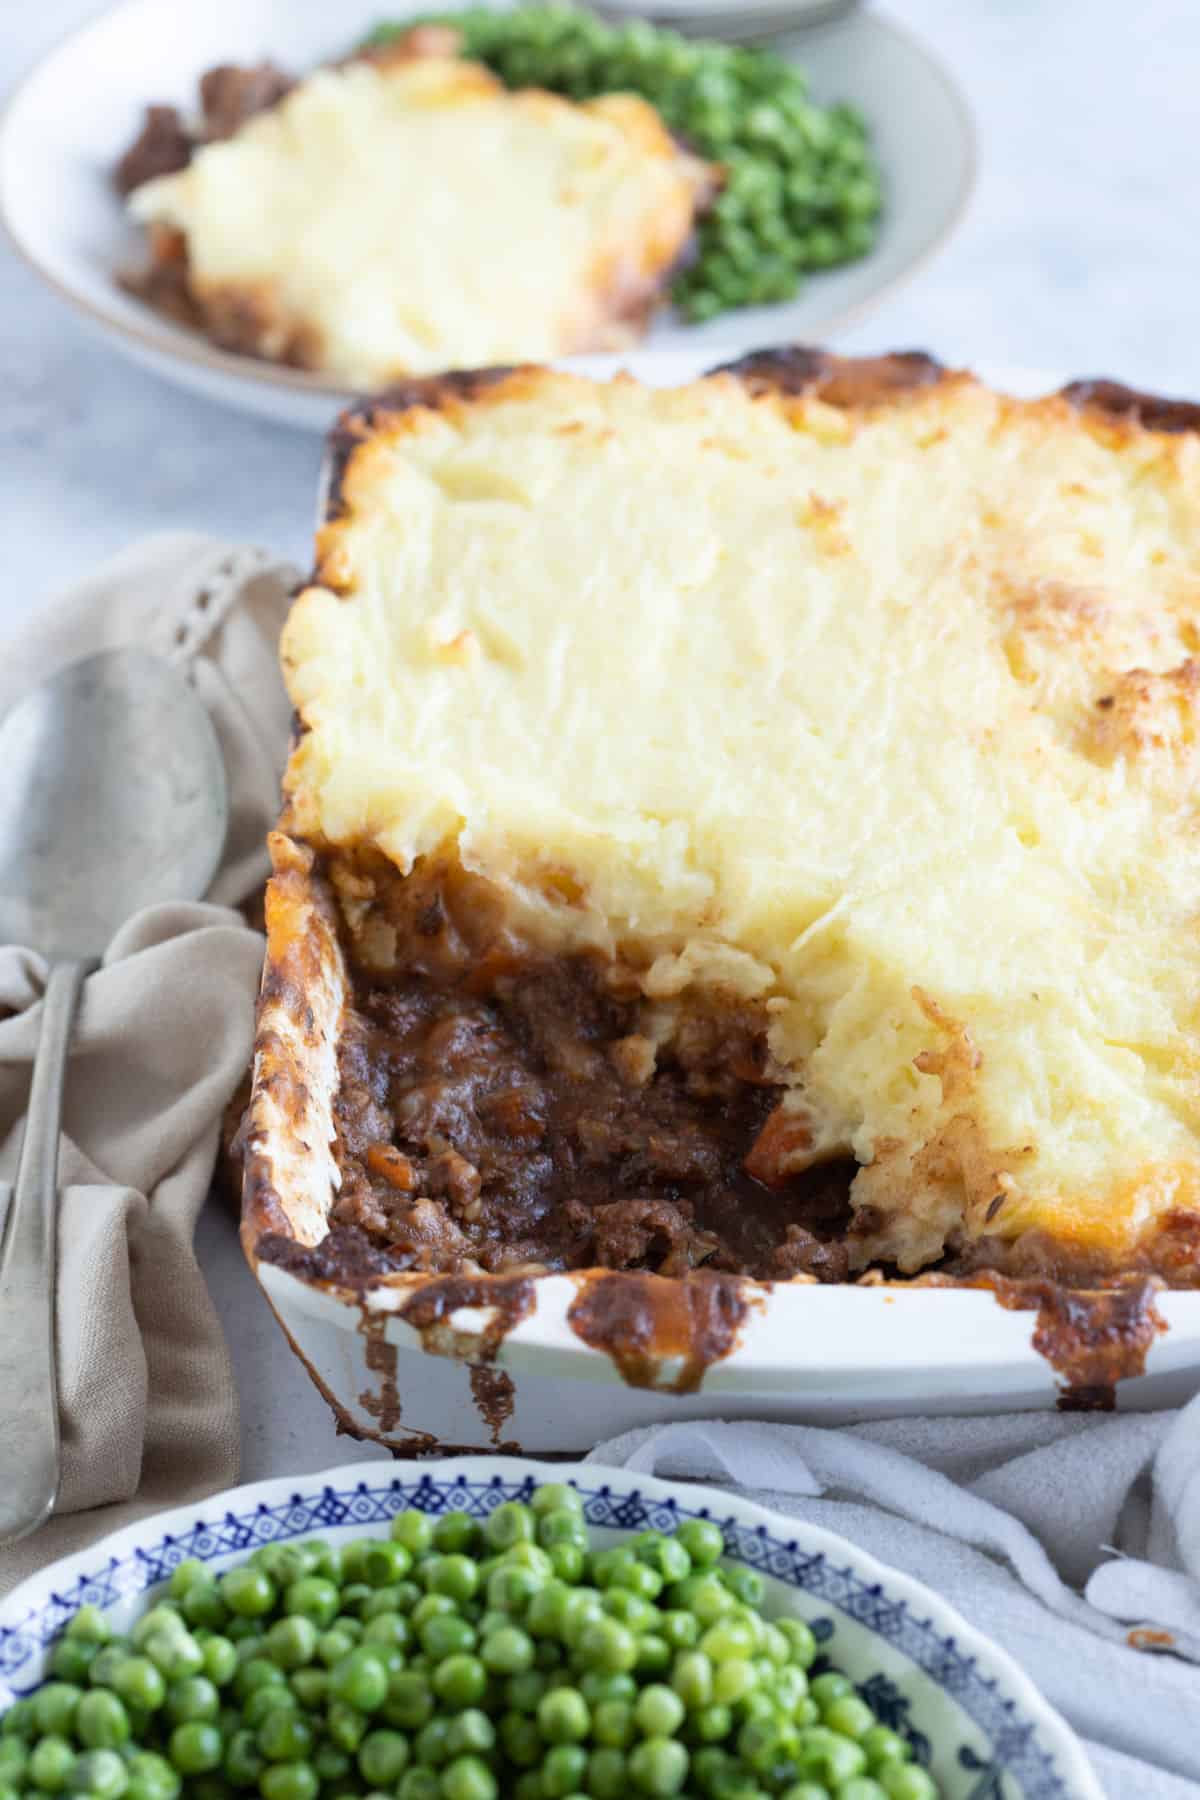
1080, 254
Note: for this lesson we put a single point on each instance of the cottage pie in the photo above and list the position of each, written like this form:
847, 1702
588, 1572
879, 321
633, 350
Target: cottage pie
404, 212
760, 821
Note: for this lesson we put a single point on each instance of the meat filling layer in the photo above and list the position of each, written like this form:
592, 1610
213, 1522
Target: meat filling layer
499, 1110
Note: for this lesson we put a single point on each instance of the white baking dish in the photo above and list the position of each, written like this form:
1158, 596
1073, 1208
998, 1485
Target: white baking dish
816, 1352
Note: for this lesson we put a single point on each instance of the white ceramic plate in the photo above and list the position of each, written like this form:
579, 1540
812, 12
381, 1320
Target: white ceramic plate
969, 1713
69, 121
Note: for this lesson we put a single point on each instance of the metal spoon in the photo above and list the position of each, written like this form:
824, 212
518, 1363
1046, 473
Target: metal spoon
112, 798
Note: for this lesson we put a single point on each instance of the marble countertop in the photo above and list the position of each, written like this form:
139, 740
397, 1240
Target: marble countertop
1079, 255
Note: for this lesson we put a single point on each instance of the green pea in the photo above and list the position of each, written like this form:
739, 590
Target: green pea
311, 1687
176, 1654
666, 1555
19, 1721
193, 1698
335, 1644
510, 1524
830, 1757
161, 1620
564, 1770
249, 1593
454, 1575
628, 1608
607, 1774
681, 1629
410, 1702
220, 1660
861, 1787
356, 1595
71, 1659
432, 1606
347, 1727
460, 1680
447, 1635
848, 1715
100, 1773
692, 1678
654, 1654
607, 1645
468, 1778
512, 1589
195, 1748
729, 1640
360, 1680
613, 1724
55, 1706
151, 1777
884, 1746
101, 1721
331, 1764
563, 1716
567, 1561
292, 1642
906, 1781
51, 1764
713, 1724
658, 1766
190, 1573
832, 1685
639, 1579
419, 1784
414, 1530
562, 1526
243, 1762
391, 1630
507, 1651
733, 1682
203, 1609
521, 1739
313, 1597
455, 1532
89, 1626
289, 1781
382, 1758
471, 1732
384, 1562
430, 1746
285, 1736
802, 1643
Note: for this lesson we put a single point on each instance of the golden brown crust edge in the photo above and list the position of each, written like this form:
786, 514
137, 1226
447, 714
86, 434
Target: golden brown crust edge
787, 372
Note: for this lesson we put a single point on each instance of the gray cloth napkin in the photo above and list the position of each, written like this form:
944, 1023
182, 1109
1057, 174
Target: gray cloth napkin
147, 1405
1062, 1536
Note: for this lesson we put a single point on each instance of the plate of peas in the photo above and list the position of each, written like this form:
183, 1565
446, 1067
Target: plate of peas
847, 156
497, 1629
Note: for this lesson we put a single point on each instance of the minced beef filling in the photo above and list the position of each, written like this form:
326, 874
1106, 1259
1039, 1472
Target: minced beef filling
229, 95
499, 1110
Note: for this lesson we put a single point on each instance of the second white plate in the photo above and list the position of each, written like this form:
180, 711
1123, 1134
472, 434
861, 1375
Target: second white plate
71, 118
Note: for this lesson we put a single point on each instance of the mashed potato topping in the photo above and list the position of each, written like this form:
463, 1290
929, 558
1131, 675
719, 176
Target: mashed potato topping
884, 715
395, 218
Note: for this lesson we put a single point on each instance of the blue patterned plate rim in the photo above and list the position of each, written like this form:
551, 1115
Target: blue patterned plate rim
1035, 1745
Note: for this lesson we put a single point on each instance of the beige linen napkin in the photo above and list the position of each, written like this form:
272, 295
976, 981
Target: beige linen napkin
147, 1403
